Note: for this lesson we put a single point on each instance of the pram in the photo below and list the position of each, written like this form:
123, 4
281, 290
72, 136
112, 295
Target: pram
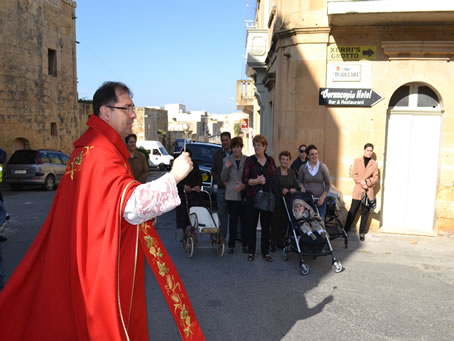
333, 225
203, 221
302, 243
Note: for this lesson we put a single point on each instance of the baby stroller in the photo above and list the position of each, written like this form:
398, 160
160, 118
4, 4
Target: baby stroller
203, 221
333, 225
301, 242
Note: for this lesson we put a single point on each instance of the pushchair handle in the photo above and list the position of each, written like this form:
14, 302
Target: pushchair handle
201, 192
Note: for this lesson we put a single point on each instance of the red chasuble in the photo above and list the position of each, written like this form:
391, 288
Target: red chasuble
83, 276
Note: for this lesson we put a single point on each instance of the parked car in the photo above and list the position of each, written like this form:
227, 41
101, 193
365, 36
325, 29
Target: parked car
159, 157
42, 167
203, 152
179, 144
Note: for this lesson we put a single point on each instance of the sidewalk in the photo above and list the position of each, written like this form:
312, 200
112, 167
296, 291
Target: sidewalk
428, 254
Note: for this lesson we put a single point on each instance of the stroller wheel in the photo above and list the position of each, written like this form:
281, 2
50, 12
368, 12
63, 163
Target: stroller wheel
285, 253
184, 241
220, 248
189, 246
337, 266
304, 269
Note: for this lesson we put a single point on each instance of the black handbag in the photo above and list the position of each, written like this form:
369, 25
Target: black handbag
365, 201
264, 201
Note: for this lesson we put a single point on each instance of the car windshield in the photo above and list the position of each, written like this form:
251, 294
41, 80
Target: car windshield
203, 153
179, 144
163, 151
23, 157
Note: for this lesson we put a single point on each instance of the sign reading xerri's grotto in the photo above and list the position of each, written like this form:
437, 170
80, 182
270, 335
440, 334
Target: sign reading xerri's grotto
348, 97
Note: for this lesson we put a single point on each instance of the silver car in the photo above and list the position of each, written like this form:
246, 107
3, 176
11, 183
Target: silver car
35, 167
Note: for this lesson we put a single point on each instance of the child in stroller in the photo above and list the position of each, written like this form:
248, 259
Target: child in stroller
307, 219
306, 233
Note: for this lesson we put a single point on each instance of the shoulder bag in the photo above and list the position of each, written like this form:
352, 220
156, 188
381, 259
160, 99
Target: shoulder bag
264, 201
365, 201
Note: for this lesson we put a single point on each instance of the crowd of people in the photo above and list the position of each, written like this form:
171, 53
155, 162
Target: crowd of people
242, 180
90, 252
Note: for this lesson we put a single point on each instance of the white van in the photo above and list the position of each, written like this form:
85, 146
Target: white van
158, 154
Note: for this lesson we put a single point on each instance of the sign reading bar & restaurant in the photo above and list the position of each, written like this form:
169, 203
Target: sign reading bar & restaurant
348, 97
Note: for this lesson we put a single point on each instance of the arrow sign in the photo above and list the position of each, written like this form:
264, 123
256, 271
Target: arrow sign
351, 53
348, 97
368, 53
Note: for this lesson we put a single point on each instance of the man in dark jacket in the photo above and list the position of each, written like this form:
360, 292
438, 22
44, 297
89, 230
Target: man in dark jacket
216, 169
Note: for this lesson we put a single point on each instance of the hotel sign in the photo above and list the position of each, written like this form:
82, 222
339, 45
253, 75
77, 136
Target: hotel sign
348, 97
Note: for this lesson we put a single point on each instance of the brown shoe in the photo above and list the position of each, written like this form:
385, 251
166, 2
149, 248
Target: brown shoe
268, 258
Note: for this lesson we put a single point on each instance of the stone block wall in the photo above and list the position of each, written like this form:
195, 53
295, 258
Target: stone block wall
38, 80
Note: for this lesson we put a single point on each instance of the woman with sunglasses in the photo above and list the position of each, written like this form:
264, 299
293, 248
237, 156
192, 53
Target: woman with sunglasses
300, 160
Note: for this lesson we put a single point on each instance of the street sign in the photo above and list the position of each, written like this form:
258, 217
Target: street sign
346, 73
244, 124
352, 53
348, 97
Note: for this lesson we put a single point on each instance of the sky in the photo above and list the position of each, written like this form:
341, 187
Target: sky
172, 51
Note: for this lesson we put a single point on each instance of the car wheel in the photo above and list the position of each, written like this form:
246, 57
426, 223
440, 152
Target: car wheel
15, 187
162, 167
49, 183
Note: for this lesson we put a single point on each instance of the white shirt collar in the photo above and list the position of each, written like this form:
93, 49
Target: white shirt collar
313, 171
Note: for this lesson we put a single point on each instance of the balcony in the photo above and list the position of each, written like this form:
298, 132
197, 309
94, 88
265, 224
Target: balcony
245, 95
390, 12
256, 49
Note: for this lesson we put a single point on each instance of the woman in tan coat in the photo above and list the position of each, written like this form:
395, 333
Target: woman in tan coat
365, 175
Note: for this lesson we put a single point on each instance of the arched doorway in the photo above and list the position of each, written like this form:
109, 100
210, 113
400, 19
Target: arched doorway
21, 143
411, 160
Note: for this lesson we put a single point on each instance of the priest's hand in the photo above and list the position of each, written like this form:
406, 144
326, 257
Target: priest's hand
181, 167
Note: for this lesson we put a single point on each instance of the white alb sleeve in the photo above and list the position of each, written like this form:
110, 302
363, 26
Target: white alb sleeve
152, 199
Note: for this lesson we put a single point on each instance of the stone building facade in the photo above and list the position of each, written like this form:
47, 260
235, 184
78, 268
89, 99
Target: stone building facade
339, 74
151, 124
38, 80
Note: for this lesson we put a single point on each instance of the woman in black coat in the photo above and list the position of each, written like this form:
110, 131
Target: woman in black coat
259, 173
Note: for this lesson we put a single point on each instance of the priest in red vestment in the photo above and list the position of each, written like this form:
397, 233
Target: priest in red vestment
83, 276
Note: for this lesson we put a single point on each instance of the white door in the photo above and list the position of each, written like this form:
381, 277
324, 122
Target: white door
411, 172
411, 162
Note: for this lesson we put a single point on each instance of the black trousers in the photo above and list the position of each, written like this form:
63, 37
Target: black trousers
352, 214
279, 223
265, 223
236, 213
181, 211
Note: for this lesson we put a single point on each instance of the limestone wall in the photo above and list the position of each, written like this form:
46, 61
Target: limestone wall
298, 58
38, 108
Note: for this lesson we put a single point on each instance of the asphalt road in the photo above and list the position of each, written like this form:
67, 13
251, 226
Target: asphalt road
393, 287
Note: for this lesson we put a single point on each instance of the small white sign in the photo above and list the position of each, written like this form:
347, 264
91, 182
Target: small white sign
346, 73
